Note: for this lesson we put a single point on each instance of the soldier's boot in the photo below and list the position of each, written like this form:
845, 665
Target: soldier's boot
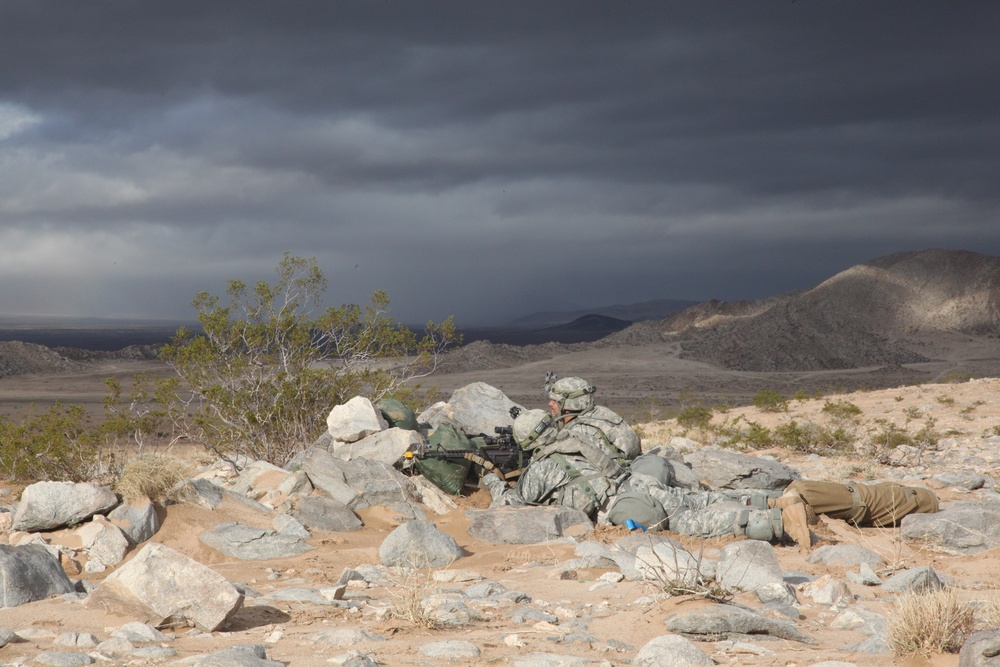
786, 499
795, 523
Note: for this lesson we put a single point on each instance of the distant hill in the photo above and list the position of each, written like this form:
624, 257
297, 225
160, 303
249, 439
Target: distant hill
859, 317
635, 312
599, 324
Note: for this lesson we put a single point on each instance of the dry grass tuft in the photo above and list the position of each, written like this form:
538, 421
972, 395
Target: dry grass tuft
927, 623
150, 476
408, 587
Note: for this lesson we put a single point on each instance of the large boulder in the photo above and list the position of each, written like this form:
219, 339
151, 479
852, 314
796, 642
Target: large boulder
138, 522
526, 525
51, 505
720, 620
321, 513
418, 544
29, 573
162, 587
960, 529
748, 565
358, 484
475, 408
354, 420
672, 651
723, 469
237, 540
386, 446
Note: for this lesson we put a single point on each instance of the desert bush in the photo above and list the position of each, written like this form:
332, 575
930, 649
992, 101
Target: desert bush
769, 400
886, 436
409, 586
926, 623
695, 416
150, 476
269, 365
841, 410
58, 444
956, 378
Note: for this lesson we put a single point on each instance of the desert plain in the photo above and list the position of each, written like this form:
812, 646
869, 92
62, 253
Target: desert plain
570, 615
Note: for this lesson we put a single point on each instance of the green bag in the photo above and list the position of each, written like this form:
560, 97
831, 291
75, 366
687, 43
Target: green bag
398, 414
449, 476
639, 506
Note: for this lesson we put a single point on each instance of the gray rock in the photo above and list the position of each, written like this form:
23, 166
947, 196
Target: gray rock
162, 587
137, 522
29, 573
453, 649
724, 469
914, 580
104, 541
861, 620
531, 615
354, 420
777, 593
252, 473
353, 659
828, 590
525, 525
981, 649
474, 408
671, 651
846, 555
324, 596
965, 480
8, 637
874, 645
63, 659
668, 563
732, 620
359, 483
320, 513
962, 528
865, 576
240, 655
51, 505
140, 632
199, 492
289, 525
418, 544
346, 637
748, 565
447, 610
237, 540
386, 446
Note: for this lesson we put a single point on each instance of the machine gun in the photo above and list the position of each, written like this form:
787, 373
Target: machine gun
498, 454
477, 455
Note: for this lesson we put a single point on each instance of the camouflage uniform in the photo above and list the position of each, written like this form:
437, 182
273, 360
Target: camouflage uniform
572, 399
564, 470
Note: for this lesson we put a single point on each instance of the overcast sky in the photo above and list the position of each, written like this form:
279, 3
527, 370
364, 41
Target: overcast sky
486, 159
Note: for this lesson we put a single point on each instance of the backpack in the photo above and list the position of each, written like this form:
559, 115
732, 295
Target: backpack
398, 414
447, 475
640, 507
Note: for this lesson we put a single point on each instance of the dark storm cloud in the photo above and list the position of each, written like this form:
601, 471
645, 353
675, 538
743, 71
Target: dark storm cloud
487, 159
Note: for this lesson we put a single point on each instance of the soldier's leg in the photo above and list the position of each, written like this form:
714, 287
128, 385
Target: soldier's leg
828, 498
535, 486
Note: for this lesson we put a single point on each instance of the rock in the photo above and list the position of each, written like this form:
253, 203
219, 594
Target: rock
671, 651
199, 492
248, 543
556, 660
960, 529
353, 659
727, 620
354, 420
104, 541
475, 408
319, 513
137, 522
386, 446
346, 637
964, 480
256, 473
358, 484
418, 544
748, 565
914, 580
861, 620
828, 590
431, 496
525, 525
140, 632
29, 573
724, 469
981, 649
846, 555
866, 576
240, 655
450, 650
63, 659
51, 505
667, 563
162, 587
289, 525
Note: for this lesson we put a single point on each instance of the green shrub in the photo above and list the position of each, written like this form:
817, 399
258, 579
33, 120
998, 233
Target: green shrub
695, 416
58, 445
841, 410
757, 436
269, 365
769, 400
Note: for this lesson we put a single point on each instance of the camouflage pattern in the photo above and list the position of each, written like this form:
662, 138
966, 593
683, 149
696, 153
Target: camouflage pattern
560, 479
572, 394
607, 429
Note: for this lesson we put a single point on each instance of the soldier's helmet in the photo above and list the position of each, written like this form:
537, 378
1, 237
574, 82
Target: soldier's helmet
530, 426
572, 394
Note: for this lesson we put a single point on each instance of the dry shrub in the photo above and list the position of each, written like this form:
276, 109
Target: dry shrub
408, 587
932, 622
150, 476
988, 613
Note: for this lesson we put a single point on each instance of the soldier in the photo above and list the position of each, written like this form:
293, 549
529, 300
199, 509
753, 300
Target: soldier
571, 401
564, 469
881, 504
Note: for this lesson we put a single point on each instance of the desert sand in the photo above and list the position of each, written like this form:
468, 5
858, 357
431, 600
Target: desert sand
604, 621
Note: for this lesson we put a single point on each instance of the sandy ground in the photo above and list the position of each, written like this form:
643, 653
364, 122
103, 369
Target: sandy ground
621, 617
